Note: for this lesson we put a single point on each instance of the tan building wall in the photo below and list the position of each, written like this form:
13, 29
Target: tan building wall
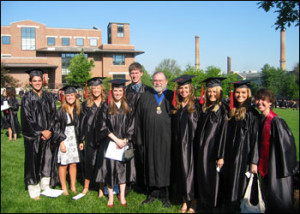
48, 57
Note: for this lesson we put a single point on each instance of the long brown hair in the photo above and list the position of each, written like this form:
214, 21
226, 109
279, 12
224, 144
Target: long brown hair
239, 112
91, 99
66, 107
207, 103
124, 104
191, 100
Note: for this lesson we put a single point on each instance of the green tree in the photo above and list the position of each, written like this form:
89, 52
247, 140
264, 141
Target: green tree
170, 67
288, 12
282, 84
7, 80
296, 73
80, 69
146, 78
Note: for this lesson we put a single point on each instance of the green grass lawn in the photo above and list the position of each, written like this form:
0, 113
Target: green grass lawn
15, 199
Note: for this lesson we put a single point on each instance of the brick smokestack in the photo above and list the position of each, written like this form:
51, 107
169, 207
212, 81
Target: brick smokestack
197, 64
228, 65
282, 50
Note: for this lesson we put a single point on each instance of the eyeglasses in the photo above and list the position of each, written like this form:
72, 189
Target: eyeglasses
158, 80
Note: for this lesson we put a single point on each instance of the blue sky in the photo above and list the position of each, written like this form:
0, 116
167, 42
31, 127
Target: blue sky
167, 29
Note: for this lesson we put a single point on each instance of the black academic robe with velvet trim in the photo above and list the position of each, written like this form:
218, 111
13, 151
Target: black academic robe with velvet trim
132, 99
153, 138
88, 133
241, 151
277, 185
37, 114
110, 171
209, 147
184, 125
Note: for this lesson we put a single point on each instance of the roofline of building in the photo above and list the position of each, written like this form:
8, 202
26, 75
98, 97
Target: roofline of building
89, 50
28, 65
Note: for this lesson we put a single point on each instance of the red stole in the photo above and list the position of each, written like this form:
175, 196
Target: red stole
264, 147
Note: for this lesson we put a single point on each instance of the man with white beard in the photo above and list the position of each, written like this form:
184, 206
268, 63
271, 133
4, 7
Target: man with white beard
153, 133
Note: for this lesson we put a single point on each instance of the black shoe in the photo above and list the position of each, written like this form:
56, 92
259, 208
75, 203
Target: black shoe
166, 203
149, 200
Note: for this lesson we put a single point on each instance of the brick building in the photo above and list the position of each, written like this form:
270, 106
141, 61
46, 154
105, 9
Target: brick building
28, 44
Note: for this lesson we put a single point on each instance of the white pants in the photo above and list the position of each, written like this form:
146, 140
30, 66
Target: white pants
35, 190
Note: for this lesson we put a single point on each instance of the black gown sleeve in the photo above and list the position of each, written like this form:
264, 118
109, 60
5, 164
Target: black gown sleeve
59, 127
29, 127
82, 122
284, 145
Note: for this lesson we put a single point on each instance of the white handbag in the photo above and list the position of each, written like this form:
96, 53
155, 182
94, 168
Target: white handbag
246, 206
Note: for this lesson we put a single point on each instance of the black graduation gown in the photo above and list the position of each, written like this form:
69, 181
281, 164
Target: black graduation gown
61, 121
37, 114
4, 124
87, 132
241, 151
209, 147
11, 115
132, 99
184, 126
153, 138
110, 171
277, 185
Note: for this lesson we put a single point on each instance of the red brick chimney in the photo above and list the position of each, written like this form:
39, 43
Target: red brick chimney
282, 50
228, 65
197, 64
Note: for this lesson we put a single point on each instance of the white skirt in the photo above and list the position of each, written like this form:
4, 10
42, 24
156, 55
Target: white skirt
71, 155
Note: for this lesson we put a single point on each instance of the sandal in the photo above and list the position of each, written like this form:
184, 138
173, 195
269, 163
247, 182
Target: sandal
183, 208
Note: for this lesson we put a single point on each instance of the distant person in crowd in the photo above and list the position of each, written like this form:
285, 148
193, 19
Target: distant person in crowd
210, 145
88, 132
37, 117
116, 127
241, 154
11, 114
278, 159
4, 124
21, 93
133, 93
153, 138
66, 136
186, 114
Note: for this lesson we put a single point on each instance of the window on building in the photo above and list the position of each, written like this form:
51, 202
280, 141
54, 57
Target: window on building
28, 38
120, 30
93, 42
109, 34
79, 41
66, 62
119, 59
51, 41
65, 41
119, 76
5, 40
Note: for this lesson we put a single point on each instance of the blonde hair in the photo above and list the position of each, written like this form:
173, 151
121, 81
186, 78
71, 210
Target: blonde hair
191, 100
91, 99
66, 107
124, 104
239, 112
218, 102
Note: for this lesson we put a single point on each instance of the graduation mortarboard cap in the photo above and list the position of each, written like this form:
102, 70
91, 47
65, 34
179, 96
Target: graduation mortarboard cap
35, 72
241, 84
95, 81
184, 79
69, 89
213, 81
118, 82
